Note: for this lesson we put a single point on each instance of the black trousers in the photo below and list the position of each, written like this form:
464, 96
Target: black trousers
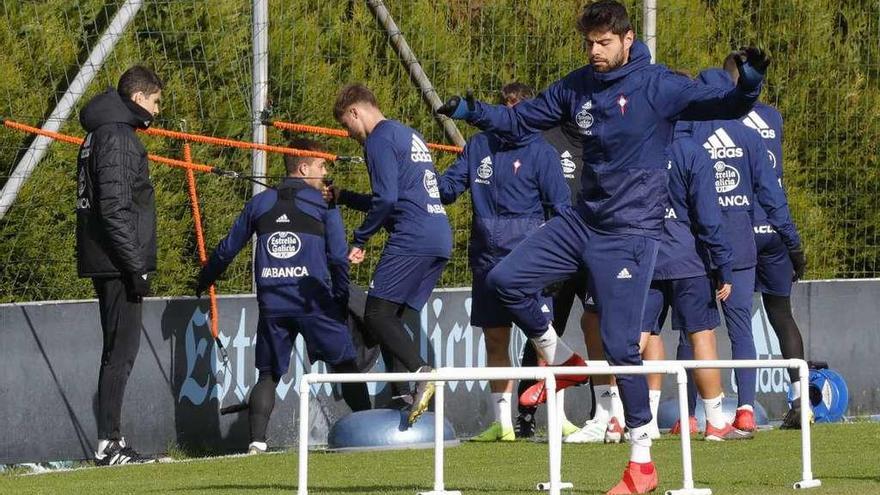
121, 325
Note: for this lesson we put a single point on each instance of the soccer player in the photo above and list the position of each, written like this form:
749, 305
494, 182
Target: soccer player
566, 138
775, 272
301, 270
511, 184
694, 268
116, 238
626, 107
406, 201
744, 175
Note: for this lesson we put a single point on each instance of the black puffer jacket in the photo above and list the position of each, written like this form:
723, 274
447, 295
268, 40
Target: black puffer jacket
116, 210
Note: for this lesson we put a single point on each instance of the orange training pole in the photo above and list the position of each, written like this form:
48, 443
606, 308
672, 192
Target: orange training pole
233, 143
78, 141
290, 126
200, 236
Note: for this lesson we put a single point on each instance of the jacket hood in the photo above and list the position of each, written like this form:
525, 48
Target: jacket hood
110, 108
717, 78
639, 58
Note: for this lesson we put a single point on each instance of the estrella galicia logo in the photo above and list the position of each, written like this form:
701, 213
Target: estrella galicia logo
484, 171
568, 165
584, 118
430, 183
283, 245
726, 178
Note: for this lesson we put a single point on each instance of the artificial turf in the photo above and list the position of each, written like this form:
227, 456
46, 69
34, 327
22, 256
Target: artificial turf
846, 457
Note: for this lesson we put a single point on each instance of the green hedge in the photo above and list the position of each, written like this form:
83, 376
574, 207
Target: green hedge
824, 79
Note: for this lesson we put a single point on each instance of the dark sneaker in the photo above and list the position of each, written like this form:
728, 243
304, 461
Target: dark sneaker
525, 425
117, 453
792, 419
422, 396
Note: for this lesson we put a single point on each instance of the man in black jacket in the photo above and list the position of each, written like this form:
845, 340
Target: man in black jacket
116, 237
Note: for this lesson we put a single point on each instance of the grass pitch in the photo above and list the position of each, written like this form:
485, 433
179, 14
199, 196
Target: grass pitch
846, 457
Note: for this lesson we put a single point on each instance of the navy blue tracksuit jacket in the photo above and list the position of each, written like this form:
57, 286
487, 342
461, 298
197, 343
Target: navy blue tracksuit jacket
301, 259
626, 118
693, 238
512, 185
744, 177
405, 199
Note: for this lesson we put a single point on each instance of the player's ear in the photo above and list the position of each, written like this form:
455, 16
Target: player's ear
628, 39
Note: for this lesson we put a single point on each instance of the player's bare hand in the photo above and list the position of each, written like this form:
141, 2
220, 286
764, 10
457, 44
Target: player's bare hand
356, 255
724, 292
330, 193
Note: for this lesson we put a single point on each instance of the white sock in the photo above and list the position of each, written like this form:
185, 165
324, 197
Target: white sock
715, 411
617, 406
501, 408
102, 444
795, 390
640, 440
654, 401
560, 400
746, 408
551, 348
603, 403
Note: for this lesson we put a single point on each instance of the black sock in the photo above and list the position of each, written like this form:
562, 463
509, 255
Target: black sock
383, 320
790, 340
260, 405
354, 394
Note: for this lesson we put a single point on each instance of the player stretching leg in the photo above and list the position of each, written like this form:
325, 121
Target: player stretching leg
625, 107
406, 201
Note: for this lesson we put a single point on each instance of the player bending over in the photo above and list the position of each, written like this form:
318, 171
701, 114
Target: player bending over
301, 271
512, 184
405, 200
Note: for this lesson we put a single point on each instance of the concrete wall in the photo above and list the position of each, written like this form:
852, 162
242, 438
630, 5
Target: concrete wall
50, 355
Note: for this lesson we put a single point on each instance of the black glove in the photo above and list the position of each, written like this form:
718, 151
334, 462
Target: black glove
799, 262
202, 283
138, 285
459, 108
752, 64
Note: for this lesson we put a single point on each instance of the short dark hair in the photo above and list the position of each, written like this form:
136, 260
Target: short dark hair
351, 94
291, 162
516, 92
139, 79
604, 15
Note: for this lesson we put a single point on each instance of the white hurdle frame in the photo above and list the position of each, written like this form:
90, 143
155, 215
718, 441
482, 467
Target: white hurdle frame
554, 427
807, 480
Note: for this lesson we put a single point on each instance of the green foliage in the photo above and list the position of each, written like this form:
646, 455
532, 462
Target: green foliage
824, 79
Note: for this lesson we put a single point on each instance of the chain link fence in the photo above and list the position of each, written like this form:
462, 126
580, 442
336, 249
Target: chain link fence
825, 80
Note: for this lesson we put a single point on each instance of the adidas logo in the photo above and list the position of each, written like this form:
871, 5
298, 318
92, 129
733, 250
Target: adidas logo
545, 309
419, 151
589, 301
486, 161
282, 219
721, 146
624, 274
755, 121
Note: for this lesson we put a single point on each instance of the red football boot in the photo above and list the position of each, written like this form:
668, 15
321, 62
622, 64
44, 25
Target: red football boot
537, 393
692, 423
744, 420
637, 478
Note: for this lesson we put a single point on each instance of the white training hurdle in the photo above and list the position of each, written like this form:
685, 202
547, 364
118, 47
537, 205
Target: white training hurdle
807, 480
554, 426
